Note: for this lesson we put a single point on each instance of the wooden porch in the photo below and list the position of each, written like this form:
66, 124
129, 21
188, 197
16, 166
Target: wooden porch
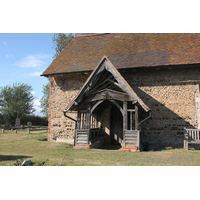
108, 110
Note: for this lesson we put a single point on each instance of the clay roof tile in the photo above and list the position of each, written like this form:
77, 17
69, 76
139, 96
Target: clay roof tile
127, 50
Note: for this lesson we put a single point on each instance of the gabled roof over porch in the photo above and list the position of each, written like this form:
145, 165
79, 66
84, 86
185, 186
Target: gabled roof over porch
105, 82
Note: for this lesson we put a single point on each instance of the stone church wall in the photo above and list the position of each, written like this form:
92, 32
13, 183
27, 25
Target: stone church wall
63, 90
172, 94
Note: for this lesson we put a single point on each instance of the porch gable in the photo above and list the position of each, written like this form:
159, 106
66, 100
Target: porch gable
105, 77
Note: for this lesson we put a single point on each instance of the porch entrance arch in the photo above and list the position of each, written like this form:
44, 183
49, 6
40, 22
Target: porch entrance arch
107, 115
106, 107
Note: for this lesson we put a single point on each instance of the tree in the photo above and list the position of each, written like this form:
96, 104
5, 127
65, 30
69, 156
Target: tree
16, 101
1, 119
44, 101
61, 40
36, 120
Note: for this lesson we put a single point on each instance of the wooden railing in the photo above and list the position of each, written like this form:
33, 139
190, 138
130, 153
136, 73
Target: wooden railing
132, 138
94, 132
28, 130
82, 136
191, 136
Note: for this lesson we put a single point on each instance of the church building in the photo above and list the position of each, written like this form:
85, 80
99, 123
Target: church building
127, 90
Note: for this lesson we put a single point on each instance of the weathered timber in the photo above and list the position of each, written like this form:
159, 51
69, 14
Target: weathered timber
82, 136
131, 110
88, 116
110, 94
191, 136
132, 138
99, 102
136, 117
78, 119
125, 115
116, 82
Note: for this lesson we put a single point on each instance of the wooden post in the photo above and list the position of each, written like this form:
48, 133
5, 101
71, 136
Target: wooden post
125, 115
88, 115
131, 120
28, 131
78, 119
83, 120
88, 119
2, 130
97, 122
124, 120
136, 117
185, 139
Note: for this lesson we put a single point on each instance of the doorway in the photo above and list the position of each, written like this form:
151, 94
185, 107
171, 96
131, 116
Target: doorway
116, 126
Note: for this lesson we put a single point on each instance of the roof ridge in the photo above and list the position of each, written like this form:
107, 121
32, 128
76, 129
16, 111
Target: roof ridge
88, 34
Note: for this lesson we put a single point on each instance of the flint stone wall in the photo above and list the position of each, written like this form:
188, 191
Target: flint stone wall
172, 94
62, 91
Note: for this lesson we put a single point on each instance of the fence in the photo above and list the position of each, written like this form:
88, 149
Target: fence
25, 129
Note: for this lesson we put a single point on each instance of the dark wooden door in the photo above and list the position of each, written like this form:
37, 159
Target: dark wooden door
116, 126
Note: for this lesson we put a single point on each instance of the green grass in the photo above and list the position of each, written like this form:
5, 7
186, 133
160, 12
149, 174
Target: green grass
14, 148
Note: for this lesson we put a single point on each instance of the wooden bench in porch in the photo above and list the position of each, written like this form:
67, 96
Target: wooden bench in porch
191, 136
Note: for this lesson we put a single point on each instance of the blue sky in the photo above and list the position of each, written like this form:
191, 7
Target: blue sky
23, 58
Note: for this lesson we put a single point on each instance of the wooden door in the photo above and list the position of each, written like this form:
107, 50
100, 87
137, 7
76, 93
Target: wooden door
116, 126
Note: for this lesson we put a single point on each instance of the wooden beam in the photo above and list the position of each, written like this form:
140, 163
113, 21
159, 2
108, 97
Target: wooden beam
125, 115
88, 116
101, 81
136, 117
113, 82
131, 120
95, 105
131, 110
109, 95
121, 110
78, 119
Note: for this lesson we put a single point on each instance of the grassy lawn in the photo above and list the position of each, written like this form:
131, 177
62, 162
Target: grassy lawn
14, 148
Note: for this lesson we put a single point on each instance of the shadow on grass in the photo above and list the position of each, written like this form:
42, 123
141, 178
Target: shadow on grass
10, 157
42, 139
108, 147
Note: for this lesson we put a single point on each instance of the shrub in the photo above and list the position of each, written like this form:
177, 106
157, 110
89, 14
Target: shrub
35, 120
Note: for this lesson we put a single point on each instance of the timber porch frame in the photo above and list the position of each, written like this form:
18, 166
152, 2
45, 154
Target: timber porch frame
106, 87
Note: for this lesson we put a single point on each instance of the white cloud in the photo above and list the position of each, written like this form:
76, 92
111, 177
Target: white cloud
8, 56
33, 61
33, 93
36, 105
5, 43
35, 74
35, 97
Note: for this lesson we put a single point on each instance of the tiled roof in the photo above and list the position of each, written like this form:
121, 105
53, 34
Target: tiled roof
127, 50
